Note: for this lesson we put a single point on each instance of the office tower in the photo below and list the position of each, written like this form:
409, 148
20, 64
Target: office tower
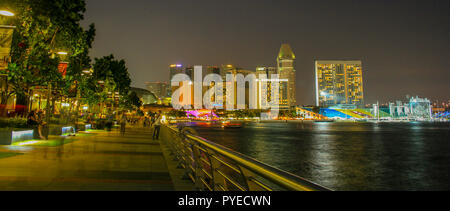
264, 92
175, 69
338, 82
159, 89
234, 71
286, 71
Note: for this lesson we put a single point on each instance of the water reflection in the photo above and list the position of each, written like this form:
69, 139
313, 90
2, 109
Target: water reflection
349, 156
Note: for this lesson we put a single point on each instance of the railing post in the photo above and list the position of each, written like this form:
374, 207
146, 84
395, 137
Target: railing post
229, 170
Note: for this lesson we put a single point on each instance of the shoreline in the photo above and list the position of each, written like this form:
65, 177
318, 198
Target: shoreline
318, 121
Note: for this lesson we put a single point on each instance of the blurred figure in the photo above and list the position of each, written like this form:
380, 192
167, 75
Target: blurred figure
89, 119
109, 122
157, 125
145, 121
41, 123
34, 121
31, 119
123, 124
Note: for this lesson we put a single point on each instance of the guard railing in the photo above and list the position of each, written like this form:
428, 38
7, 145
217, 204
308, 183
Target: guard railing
216, 168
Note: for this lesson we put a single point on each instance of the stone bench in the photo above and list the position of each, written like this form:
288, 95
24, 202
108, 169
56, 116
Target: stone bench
10, 136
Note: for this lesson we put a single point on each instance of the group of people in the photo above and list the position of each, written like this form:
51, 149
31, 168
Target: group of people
35, 119
154, 122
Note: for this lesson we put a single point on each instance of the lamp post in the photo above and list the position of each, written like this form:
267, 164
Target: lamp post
49, 89
6, 33
84, 73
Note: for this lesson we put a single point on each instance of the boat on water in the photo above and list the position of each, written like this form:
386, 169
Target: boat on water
232, 124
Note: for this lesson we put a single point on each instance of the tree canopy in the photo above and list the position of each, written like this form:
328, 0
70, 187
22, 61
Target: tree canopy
49, 38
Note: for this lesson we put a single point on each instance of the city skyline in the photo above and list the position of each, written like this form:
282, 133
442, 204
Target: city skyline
226, 95
401, 56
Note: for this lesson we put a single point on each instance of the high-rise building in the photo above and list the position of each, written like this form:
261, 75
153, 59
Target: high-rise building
159, 89
264, 93
234, 71
175, 69
339, 82
286, 71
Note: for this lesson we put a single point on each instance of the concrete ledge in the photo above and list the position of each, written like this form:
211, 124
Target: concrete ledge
7, 137
61, 130
178, 175
84, 127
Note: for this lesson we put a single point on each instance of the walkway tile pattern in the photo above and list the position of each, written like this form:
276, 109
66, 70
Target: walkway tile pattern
102, 161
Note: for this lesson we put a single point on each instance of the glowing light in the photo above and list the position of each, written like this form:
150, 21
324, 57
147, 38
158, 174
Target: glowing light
85, 108
179, 65
201, 113
173, 65
65, 104
67, 130
88, 71
21, 135
6, 13
26, 143
62, 53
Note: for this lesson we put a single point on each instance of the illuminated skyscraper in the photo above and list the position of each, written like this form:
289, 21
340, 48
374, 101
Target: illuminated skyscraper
264, 92
286, 71
159, 89
234, 71
339, 82
175, 69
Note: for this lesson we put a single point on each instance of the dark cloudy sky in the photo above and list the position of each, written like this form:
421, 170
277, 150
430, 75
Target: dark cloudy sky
404, 44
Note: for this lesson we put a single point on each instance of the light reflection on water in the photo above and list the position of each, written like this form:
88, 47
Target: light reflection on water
349, 156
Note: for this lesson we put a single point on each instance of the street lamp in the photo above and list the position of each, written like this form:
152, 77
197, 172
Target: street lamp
6, 31
6, 13
49, 86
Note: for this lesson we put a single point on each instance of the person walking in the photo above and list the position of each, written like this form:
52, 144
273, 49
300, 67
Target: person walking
146, 121
123, 124
157, 126
33, 121
40, 118
109, 121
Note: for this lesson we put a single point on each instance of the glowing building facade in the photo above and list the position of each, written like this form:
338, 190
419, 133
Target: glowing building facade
417, 109
286, 71
264, 92
175, 69
339, 82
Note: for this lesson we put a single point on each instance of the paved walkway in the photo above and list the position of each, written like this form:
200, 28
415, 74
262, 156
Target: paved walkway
93, 161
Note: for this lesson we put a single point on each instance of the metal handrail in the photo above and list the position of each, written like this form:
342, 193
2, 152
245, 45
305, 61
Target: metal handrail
228, 169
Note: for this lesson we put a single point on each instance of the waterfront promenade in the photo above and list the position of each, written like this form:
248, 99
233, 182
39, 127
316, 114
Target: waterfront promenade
96, 160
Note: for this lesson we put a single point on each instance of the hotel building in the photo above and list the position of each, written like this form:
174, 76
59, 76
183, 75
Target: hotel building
339, 82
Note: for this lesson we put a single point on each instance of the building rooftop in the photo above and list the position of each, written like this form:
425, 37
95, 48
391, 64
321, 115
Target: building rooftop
286, 52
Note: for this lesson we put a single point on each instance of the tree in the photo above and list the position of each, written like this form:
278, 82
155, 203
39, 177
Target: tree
110, 76
45, 27
133, 101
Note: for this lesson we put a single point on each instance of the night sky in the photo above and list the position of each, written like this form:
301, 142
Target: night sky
404, 44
